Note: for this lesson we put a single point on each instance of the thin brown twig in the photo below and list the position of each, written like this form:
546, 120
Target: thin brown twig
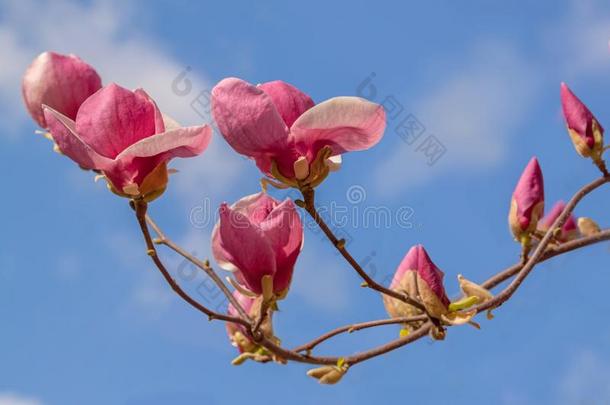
358, 326
540, 254
564, 247
505, 294
140, 208
309, 205
162, 239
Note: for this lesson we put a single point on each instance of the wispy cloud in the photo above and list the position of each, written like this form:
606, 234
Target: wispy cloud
11, 398
475, 111
472, 112
319, 280
578, 43
585, 380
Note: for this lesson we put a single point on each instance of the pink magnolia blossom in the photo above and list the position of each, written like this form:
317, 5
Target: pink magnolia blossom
584, 129
569, 230
62, 82
420, 278
124, 135
282, 129
259, 236
527, 205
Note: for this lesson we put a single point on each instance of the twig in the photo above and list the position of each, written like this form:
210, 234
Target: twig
355, 327
140, 208
309, 206
164, 240
505, 294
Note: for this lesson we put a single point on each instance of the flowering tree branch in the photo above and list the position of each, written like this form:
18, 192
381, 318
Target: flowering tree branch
297, 354
123, 137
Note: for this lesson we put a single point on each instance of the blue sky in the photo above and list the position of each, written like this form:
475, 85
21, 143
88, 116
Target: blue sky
85, 319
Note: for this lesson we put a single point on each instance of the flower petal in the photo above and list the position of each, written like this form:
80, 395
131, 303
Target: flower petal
284, 230
180, 142
248, 118
289, 101
246, 246
114, 118
343, 123
63, 131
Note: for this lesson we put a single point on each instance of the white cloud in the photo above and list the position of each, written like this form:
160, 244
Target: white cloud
472, 113
10, 398
585, 380
319, 280
579, 41
475, 111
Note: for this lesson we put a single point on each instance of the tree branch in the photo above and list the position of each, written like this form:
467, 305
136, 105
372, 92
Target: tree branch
309, 206
164, 240
140, 207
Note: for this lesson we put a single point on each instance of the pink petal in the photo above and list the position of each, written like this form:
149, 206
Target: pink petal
529, 192
256, 207
248, 119
289, 101
115, 118
62, 82
246, 247
343, 123
159, 116
64, 134
181, 142
284, 230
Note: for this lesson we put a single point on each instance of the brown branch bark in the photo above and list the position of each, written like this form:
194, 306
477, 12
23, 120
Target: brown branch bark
541, 253
140, 208
164, 240
505, 294
309, 206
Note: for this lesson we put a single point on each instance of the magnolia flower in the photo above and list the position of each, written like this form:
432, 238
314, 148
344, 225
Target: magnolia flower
568, 231
290, 138
527, 205
62, 82
124, 135
586, 132
259, 239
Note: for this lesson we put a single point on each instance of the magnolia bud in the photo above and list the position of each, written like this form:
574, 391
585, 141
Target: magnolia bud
328, 374
587, 226
419, 278
584, 129
527, 205
62, 82
568, 230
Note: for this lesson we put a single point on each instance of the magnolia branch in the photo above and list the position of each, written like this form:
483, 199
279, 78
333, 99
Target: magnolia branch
140, 208
543, 252
505, 294
203, 265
